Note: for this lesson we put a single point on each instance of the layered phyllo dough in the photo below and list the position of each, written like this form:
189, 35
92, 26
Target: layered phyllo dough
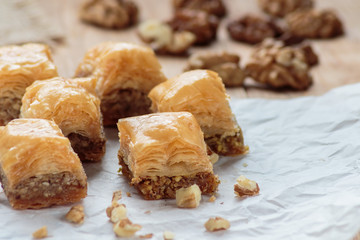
38, 167
125, 75
163, 152
19, 67
75, 109
202, 93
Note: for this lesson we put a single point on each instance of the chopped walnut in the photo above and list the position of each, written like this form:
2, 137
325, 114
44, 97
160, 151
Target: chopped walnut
214, 7
116, 212
200, 23
314, 24
110, 13
188, 197
279, 66
212, 198
225, 64
168, 235
163, 39
76, 214
40, 233
128, 194
216, 224
279, 8
116, 196
246, 187
125, 228
253, 29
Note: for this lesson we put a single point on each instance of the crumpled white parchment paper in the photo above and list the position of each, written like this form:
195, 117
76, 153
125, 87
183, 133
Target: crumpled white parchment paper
304, 154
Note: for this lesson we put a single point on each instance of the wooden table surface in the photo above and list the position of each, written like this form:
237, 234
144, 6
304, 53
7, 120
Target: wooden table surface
339, 58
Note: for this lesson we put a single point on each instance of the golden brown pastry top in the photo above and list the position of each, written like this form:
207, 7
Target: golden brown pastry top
64, 101
22, 65
200, 92
163, 144
31, 147
121, 65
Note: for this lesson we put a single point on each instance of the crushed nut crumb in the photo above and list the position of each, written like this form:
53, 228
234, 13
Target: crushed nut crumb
146, 236
168, 235
188, 197
76, 214
245, 164
216, 224
147, 212
116, 196
40, 233
128, 194
246, 187
212, 198
125, 228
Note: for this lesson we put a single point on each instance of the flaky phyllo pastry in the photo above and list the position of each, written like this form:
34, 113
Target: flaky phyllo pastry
19, 67
73, 108
163, 152
38, 167
125, 74
202, 93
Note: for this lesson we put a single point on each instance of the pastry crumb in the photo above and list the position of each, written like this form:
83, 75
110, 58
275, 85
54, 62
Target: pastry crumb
40, 233
146, 236
168, 235
125, 228
188, 197
76, 214
128, 194
212, 198
117, 195
246, 187
217, 224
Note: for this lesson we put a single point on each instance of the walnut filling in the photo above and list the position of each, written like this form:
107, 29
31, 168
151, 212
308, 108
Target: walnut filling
87, 149
227, 145
44, 190
9, 109
164, 187
123, 103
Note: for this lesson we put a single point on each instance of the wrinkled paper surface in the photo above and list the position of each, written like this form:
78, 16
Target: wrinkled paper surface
304, 154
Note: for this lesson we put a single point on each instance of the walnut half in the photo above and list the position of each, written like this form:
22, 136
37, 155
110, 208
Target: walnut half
279, 66
279, 8
109, 13
315, 24
163, 39
214, 7
224, 63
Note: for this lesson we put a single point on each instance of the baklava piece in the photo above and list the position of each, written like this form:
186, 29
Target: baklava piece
38, 167
202, 93
73, 108
115, 14
163, 152
125, 74
19, 67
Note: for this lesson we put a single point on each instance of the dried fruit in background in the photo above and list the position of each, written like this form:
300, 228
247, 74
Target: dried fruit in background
200, 23
279, 66
279, 8
315, 24
253, 29
109, 13
214, 7
224, 63
164, 40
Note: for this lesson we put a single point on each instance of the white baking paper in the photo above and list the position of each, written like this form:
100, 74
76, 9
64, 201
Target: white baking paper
304, 154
